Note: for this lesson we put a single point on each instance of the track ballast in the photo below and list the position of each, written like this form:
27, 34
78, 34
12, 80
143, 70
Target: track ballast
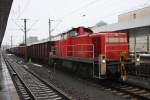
30, 86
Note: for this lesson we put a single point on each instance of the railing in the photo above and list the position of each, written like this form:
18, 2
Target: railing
78, 50
120, 47
81, 49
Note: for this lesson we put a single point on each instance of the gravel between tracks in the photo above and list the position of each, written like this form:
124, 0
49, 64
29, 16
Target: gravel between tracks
73, 85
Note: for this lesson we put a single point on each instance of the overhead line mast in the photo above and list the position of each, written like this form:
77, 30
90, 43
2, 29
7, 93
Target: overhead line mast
25, 32
50, 29
11, 42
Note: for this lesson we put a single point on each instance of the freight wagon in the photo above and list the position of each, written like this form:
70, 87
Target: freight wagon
40, 51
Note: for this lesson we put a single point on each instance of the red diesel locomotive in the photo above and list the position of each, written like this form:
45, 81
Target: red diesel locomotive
91, 54
98, 55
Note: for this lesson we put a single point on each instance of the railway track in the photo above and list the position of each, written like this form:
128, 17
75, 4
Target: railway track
30, 86
122, 89
127, 90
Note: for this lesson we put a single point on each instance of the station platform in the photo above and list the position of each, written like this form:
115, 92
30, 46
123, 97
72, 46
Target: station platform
7, 88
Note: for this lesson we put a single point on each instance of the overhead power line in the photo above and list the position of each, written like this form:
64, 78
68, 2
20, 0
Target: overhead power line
109, 15
21, 28
31, 27
24, 9
82, 7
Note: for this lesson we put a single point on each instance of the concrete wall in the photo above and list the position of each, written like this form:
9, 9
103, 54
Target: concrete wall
139, 39
134, 14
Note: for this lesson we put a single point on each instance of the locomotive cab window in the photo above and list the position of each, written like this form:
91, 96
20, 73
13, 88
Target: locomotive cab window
73, 33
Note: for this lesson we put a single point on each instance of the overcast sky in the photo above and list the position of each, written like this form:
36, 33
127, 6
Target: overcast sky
65, 13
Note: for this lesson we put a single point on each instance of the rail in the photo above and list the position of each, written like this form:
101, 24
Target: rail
37, 88
132, 91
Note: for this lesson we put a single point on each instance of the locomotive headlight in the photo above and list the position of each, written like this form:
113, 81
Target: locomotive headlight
137, 59
103, 61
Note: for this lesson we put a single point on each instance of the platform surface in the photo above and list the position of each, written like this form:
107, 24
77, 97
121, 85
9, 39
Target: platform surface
7, 88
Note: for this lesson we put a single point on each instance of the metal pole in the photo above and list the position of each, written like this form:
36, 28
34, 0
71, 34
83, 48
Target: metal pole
134, 43
25, 32
147, 43
49, 29
11, 41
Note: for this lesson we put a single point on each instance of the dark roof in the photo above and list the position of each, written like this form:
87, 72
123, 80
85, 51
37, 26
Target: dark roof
5, 6
141, 22
74, 29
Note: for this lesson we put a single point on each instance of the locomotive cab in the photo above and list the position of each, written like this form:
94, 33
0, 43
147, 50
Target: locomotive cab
111, 45
92, 54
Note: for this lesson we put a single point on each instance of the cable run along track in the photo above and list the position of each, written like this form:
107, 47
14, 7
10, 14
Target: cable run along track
36, 88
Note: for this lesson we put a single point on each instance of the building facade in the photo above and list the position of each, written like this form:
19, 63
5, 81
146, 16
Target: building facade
137, 25
132, 15
139, 38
